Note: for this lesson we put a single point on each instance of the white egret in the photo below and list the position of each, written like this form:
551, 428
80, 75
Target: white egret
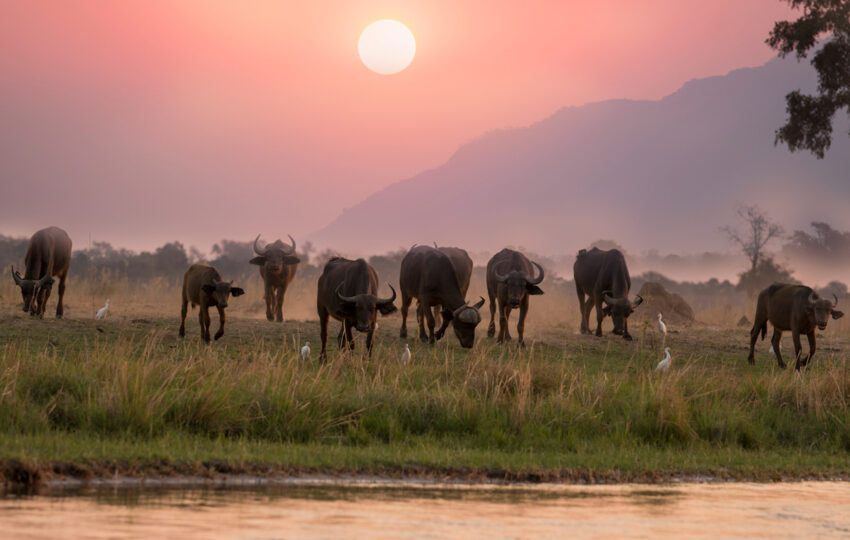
101, 313
661, 326
664, 364
305, 350
405, 356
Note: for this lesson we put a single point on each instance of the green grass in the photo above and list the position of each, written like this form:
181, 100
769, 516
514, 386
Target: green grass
571, 404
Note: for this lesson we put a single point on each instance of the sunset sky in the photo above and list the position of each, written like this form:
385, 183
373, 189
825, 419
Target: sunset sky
147, 122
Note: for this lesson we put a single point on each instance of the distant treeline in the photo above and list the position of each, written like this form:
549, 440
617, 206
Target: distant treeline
825, 247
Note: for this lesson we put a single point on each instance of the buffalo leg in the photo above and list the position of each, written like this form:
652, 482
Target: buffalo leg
754, 335
811, 337
203, 317
60, 310
41, 306
798, 348
431, 323
221, 318
183, 310
504, 314
520, 325
774, 340
370, 337
626, 335
443, 325
599, 316
420, 319
585, 312
278, 304
323, 332
491, 330
348, 336
405, 306
269, 297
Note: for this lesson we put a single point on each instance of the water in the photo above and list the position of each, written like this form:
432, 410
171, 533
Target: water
792, 510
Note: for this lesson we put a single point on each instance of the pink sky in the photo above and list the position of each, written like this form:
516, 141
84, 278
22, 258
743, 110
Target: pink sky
146, 122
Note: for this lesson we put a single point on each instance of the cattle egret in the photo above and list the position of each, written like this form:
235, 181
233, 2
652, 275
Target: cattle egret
405, 356
664, 364
305, 350
771, 348
101, 313
661, 326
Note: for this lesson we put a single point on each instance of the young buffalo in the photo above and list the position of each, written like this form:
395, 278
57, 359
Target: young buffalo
791, 307
203, 286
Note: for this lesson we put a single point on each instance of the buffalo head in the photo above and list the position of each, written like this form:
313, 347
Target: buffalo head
464, 320
619, 309
275, 255
517, 284
221, 291
821, 309
364, 307
30, 289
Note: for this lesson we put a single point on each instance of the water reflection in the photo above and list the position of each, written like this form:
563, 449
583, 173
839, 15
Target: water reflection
408, 510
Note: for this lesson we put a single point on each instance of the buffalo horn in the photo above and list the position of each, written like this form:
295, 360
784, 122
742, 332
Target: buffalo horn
539, 277
388, 300
256, 249
344, 298
16, 276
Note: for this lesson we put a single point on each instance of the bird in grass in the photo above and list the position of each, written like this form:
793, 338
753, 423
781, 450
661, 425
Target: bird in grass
664, 364
661, 326
101, 313
305, 350
405, 356
771, 348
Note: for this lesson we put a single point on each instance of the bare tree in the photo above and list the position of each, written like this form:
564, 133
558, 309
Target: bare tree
757, 232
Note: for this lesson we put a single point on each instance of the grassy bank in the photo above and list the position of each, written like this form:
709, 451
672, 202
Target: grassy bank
128, 391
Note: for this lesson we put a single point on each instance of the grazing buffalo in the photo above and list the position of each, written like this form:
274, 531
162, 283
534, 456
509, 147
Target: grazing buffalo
347, 292
791, 307
277, 264
48, 255
463, 268
604, 278
203, 286
432, 277
509, 280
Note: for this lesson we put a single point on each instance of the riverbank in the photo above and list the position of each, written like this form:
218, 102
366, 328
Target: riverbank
126, 398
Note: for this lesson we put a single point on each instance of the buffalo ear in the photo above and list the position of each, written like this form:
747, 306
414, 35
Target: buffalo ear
237, 291
259, 261
289, 259
533, 290
606, 310
386, 309
837, 314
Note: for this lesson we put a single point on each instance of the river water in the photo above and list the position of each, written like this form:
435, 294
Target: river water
381, 510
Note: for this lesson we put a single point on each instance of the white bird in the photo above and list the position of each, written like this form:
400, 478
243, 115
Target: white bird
405, 356
101, 313
771, 348
305, 350
664, 364
661, 326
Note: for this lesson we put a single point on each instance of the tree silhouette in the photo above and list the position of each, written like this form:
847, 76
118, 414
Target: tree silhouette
809, 125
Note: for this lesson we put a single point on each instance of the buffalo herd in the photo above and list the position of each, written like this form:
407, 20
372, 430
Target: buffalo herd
438, 279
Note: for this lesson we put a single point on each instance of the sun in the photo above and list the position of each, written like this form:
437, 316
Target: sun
386, 47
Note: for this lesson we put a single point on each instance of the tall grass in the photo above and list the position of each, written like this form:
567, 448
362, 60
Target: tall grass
547, 398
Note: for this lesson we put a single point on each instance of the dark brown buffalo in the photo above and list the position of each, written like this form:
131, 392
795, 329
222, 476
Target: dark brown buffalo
48, 255
430, 276
604, 277
463, 268
277, 264
791, 307
348, 292
509, 280
203, 286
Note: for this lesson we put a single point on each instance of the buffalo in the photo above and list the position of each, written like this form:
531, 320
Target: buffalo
604, 278
509, 280
791, 307
203, 286
348, 292
432, 277
48, 255
277, 264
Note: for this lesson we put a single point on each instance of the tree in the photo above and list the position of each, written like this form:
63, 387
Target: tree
765, 274
809, 125
758, 232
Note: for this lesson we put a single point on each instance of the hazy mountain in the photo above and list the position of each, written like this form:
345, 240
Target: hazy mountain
649, 174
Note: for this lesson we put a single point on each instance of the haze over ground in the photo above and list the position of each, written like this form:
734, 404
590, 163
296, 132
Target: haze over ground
145, 123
